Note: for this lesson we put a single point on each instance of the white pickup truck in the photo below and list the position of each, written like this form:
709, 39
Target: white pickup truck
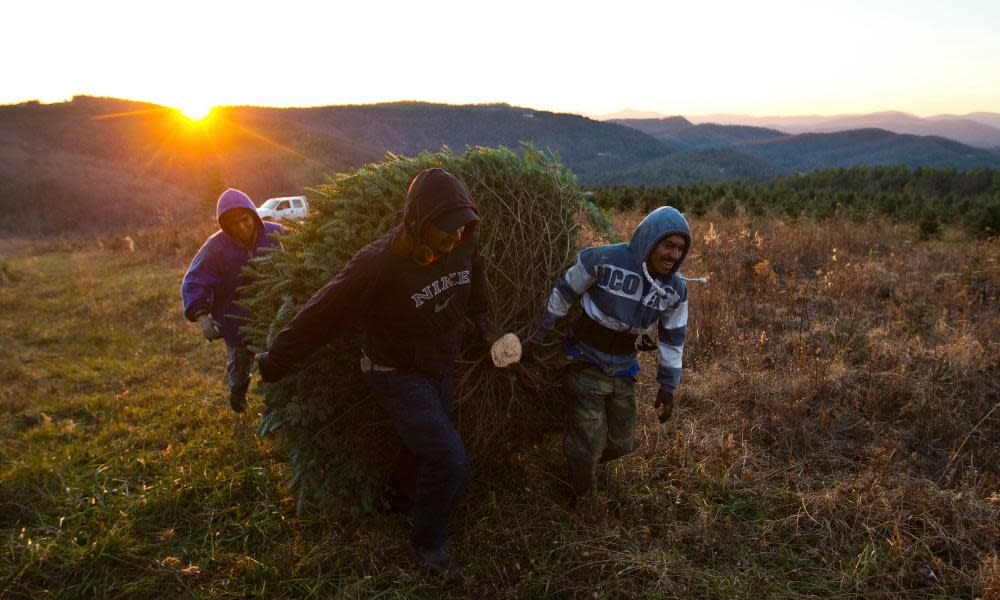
288, 207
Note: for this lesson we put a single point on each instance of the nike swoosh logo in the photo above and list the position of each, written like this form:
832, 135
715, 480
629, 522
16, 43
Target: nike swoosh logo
439, 307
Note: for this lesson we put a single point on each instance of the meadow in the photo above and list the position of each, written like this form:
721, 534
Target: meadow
837, 435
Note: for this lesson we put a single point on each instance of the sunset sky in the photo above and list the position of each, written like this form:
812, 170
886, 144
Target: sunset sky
757, 58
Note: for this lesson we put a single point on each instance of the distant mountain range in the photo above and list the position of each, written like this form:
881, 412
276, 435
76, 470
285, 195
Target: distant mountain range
98, 163
981, 129
760, 153
811, 151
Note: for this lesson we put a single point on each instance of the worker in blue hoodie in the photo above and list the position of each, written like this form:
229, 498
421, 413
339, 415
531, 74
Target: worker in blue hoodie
411, 290
210, 286
626, 292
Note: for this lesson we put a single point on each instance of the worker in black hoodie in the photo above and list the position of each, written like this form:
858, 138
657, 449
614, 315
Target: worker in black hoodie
411, 290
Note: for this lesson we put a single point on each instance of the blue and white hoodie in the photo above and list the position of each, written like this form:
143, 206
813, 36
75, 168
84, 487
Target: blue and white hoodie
615, 288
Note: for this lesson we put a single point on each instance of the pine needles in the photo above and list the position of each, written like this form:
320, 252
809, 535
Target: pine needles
337, 438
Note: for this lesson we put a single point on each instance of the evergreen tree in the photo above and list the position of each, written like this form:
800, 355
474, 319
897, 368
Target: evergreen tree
337, 439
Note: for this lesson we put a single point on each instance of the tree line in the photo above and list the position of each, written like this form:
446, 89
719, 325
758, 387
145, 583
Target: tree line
927, 197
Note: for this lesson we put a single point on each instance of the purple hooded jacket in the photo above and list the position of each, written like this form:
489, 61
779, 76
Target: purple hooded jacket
211, 282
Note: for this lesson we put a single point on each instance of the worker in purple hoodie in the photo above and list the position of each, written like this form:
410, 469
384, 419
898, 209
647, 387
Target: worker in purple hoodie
210, 286
411, 290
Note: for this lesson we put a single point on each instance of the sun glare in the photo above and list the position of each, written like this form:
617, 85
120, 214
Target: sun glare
195, 111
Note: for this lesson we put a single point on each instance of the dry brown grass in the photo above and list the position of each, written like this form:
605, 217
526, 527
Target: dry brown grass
836, 436
843, 376
838, 417
173, 240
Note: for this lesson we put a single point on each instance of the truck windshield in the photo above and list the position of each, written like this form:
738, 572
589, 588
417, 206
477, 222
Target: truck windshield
271, 203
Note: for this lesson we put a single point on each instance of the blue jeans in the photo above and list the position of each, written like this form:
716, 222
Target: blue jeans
432, 468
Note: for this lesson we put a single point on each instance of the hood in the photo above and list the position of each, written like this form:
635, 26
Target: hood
657, 225
231, 199
432, 193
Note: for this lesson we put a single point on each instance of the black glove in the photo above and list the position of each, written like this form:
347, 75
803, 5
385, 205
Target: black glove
666, 400
528, 349
269, 371
484, 336
531, 346
645, 343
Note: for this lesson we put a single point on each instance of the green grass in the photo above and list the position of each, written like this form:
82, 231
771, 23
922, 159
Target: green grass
122, 469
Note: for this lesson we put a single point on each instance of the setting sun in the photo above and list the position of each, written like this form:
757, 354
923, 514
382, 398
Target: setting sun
195, 111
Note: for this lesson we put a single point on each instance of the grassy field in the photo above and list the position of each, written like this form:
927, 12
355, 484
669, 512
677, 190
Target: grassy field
837, 436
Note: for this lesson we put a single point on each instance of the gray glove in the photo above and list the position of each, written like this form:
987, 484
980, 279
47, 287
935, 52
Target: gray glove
209, 327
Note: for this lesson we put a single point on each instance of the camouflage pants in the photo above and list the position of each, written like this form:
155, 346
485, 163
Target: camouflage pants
600, 422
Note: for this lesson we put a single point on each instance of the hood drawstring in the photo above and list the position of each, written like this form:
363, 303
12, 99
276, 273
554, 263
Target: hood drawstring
656, 286
694, 279
662, 292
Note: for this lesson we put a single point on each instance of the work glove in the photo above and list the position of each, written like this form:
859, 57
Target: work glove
506, 350
665, 400
645, 343
269, 372
209, 327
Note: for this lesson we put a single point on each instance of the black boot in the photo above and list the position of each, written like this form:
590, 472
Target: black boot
439, 563
238, 401
586, 505
608, 455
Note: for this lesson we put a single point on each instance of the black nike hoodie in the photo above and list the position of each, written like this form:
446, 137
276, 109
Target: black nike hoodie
412, 316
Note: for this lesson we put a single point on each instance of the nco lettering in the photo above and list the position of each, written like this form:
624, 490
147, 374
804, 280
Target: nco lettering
620, 282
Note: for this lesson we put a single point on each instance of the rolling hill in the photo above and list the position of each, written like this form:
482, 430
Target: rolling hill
103, 163
678, 132
981, 130
697, 166
711, 152
658, 127
811, 151
96, 163
584, 145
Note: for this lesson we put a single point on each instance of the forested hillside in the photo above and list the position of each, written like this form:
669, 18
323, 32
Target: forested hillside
811, 151
696, 167
678, 132
99, 163
106, 164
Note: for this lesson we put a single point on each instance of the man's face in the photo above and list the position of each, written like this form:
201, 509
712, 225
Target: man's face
441, 242
665, 254
241, 224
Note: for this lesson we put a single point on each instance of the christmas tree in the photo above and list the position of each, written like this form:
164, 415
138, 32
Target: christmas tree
338, 441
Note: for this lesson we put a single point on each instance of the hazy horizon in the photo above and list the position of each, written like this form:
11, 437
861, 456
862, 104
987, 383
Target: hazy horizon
625, 113
774, 58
